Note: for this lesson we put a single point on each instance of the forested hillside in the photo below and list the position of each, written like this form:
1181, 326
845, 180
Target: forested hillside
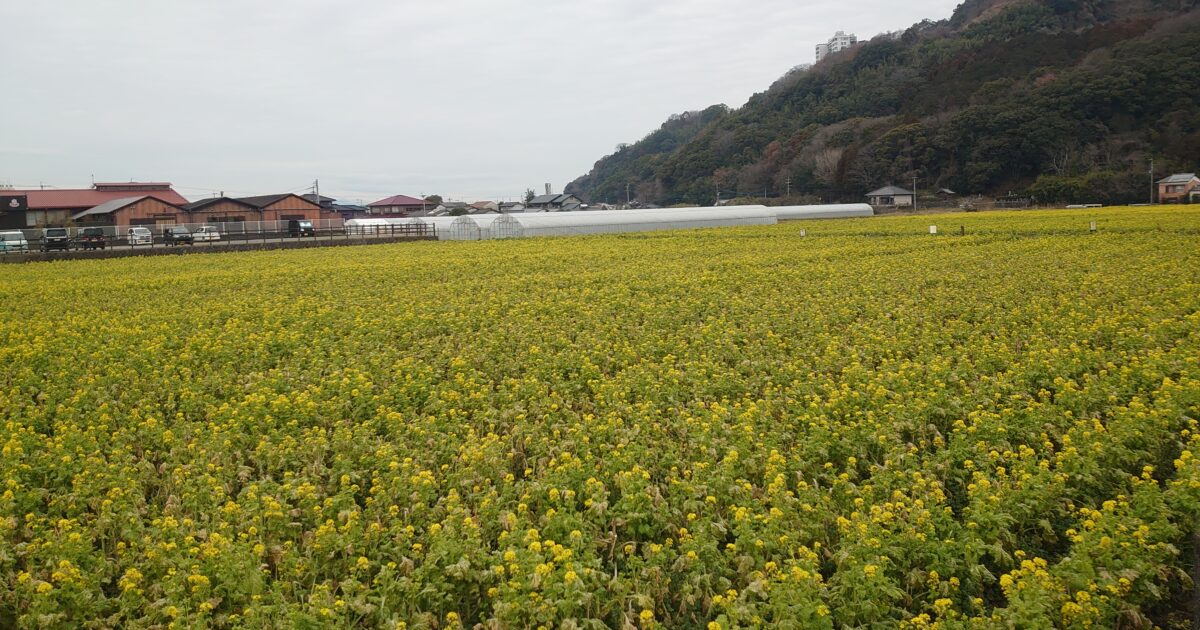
1067, 100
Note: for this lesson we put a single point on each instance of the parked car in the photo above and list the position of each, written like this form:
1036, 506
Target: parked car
300, 228
206, 233
56, 238
139, 236
177, 235
91, 238
13, 241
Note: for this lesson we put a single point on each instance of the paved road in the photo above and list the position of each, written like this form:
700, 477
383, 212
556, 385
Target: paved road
236, 241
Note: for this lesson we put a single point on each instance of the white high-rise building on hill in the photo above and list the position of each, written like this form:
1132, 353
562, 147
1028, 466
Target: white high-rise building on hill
840, 41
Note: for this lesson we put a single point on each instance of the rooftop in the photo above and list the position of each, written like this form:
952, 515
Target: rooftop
552, 198
204, 203
112, 206
131, 185
83, 198
399, 200
889, 191
262, 201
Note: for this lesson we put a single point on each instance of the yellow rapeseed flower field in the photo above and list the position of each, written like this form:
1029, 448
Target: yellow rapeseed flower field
863, 426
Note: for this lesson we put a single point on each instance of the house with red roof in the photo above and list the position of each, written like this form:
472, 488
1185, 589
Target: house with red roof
401, 205
56, 206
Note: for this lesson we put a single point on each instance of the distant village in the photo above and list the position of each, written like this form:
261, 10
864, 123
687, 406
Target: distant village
124, 204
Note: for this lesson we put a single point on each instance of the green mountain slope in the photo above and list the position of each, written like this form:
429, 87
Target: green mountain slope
1066, 99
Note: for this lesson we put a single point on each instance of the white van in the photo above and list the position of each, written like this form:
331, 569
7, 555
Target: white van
13, 241
206, 233
139, 236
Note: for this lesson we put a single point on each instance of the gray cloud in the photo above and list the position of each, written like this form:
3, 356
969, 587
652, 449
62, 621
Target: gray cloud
466, 98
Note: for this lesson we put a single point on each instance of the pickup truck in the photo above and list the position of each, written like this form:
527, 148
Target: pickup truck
92, 237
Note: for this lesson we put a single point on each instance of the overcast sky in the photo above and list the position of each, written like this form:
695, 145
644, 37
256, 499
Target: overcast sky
471, 99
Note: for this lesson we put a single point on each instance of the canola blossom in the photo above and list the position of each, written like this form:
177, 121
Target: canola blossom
846, 423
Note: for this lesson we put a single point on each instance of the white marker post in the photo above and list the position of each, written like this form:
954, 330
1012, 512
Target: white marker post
803, 232
1093, 227
933, 229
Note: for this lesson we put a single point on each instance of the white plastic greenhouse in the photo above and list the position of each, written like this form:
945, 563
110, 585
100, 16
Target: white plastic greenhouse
476, 227
830, 211
366, 226
498, 226
441, 224
600, 222
462, 228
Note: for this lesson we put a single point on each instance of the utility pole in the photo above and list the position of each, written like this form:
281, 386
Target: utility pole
1151, 180
626, 194
718, 186
914, 191
789, 186
317, 191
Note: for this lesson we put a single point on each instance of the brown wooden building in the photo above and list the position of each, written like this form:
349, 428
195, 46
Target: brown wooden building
143, 210
150, 210
221, 210
55, 206
285, 207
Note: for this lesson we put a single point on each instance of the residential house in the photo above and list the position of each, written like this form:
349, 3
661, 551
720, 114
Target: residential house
1177, 188
509, 207
140, 210
56, 206
402, 205
483, 207
555, 203
326, 203
451, 208
350, 211
891, 196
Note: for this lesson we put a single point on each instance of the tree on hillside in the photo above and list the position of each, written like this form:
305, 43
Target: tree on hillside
984, 103
434, 199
